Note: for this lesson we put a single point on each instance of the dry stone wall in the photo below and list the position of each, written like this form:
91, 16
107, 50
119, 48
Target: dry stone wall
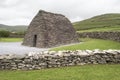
51, 59
101, 35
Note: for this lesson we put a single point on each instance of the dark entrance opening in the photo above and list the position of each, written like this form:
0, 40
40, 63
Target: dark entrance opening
34, 40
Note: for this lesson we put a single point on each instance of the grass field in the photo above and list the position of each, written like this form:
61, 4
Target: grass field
91, 44
11, 39
105, 22
86, 72
102, 29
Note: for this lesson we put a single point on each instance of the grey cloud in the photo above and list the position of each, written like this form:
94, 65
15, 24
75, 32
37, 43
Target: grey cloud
22, 11
9, 3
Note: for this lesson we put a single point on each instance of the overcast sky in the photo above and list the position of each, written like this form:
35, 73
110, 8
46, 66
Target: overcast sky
21, 12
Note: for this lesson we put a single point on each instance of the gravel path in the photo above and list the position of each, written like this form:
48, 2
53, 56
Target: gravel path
17, 48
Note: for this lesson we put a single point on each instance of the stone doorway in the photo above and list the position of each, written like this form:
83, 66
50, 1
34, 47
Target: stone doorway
34, 40
54, 30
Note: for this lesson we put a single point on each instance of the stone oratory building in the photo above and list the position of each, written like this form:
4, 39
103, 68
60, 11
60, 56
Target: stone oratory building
49, 30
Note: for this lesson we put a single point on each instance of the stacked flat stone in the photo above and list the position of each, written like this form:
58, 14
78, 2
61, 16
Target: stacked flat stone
48, 30
115, 36
51, 59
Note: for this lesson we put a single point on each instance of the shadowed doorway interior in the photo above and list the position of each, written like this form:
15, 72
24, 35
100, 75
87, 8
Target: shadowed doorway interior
34, 40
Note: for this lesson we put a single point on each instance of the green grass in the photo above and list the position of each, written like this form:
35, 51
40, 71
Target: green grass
11, 39
86, 72
102, 21
91, 44
105, 29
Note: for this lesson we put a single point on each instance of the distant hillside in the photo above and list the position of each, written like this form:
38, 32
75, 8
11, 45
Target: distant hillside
105, 22
18, 28
110, 22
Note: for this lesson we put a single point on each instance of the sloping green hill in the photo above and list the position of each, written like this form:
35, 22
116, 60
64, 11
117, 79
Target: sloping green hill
18, 28
105, 22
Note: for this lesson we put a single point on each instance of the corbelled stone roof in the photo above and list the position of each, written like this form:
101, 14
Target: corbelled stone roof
49, 29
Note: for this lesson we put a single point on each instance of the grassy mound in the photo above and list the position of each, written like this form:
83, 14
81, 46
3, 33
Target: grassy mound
86, 72
106, 22
105, 29
11, 39
91, 44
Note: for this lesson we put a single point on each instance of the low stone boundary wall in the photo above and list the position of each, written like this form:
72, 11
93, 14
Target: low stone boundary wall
51, 59
101, 35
